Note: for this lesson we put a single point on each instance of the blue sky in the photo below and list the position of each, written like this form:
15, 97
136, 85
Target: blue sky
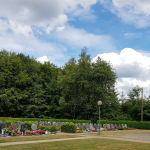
116, 30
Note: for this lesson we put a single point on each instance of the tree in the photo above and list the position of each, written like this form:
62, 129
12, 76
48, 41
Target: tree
84, 83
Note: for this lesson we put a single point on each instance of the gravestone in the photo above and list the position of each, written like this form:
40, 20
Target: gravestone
100, 126
119, 125
54, 123
24, 127
122, 125
80, 126
19, 124
49, 124
33, 127
2, 126
125, 125
104, 126
90, 127
111, 125
108, 126
95, 126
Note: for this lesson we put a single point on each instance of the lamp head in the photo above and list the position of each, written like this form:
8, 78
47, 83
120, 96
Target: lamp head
99, 103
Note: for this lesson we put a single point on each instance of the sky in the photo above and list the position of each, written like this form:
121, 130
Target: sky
118, 31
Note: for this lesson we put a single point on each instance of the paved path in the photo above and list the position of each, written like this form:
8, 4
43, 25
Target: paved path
142, 138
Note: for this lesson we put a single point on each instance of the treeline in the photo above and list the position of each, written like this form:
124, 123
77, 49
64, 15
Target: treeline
30, 89
131, 105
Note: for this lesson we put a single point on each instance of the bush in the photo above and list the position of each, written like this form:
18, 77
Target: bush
120, 128
69, 128
29, 124
49, 128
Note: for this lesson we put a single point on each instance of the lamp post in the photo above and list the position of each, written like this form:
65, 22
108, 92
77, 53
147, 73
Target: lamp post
99, 103
141, 104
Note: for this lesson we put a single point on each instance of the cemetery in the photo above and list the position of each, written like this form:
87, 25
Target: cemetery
47, 128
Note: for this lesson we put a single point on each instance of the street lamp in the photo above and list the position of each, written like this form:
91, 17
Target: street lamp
99, 103
141, 89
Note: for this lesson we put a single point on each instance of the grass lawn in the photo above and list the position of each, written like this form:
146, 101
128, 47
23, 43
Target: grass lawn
34, 138
116, 133
84, 144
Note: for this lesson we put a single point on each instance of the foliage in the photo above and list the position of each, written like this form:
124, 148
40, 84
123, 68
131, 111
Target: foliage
69, 128
83, 83
49, 128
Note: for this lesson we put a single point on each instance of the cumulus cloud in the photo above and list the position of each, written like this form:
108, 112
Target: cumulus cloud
46, 14
42, 59
130, 11
132, 68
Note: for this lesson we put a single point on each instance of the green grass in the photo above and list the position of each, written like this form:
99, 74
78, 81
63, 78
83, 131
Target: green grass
84, 144
116, 133
34, 138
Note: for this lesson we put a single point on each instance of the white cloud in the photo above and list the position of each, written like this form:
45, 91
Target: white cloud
33, 47
78, 38
132, 68
130, 11
132, 35
47, 14
42, 59
60, 28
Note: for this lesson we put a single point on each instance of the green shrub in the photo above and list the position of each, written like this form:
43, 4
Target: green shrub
120, 128
8, 122
29, 124
49, 128
69, 128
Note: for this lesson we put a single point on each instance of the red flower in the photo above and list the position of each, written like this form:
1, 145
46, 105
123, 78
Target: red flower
12, 126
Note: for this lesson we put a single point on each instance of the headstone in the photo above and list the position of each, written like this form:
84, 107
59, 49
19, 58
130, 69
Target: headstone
95, 126
49, 124
33, 127
125, 125
104, 126
100, 126
80, 126
111, 125
119, 125
54, 123
24, 127
108, 126
2, 126
122, 125
90, 127
19, 124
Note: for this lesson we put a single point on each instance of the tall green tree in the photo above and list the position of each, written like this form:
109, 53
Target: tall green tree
84, 83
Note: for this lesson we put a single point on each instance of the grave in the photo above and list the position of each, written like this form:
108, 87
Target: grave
108, 126
15, 126
24, 127
33, 127
2, 126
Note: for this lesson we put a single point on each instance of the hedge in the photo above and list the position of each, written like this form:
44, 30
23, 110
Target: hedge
38, 119
68, 127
